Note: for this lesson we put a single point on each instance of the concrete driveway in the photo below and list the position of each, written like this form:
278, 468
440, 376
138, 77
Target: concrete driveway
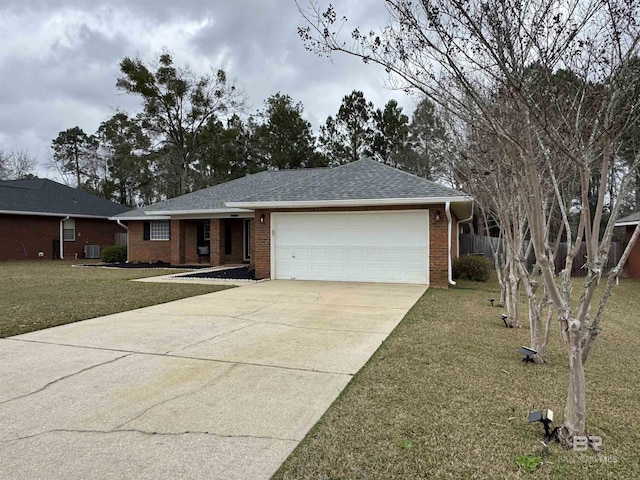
224, 385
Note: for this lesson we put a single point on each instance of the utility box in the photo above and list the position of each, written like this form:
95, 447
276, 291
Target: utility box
92, 251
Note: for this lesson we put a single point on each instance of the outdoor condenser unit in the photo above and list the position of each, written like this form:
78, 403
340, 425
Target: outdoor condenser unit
92, 251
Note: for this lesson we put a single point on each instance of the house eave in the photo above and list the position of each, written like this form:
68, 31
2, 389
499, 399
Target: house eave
199, 212
348, 203
52, 214
627, 224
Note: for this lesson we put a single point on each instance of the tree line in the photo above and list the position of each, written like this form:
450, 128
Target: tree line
190, 133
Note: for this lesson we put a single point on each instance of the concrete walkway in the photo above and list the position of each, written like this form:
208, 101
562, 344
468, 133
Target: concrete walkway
220, 386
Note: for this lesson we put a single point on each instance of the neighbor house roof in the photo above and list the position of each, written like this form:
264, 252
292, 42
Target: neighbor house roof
41, 196
632, 219
363, 182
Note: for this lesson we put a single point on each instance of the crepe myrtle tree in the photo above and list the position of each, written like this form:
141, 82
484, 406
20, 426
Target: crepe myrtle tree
460, 54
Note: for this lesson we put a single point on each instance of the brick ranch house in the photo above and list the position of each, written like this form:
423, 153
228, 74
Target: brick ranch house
36, 213
633, 262
363, 221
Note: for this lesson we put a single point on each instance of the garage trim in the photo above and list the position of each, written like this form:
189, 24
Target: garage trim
274, 215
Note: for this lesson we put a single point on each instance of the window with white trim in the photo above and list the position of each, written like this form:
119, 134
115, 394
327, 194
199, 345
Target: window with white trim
69, 230
160, 230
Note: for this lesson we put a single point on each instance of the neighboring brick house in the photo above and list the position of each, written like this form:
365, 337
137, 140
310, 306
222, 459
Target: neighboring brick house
36, 213
363, 221
629, 222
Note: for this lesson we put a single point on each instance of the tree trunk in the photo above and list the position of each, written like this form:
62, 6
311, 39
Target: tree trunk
576, 410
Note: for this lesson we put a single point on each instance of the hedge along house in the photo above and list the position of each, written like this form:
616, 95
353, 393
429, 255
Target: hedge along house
363, 221
35, 214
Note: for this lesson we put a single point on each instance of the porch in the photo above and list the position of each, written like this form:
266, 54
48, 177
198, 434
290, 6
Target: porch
217, 241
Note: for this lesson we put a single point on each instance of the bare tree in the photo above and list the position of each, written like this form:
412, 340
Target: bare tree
470, 55
16, 164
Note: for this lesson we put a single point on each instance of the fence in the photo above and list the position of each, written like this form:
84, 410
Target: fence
121, 239
481, 245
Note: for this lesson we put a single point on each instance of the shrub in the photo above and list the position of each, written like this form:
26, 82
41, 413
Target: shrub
114, 254
472, 267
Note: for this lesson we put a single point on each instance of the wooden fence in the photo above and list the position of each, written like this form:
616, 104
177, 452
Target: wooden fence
481, 245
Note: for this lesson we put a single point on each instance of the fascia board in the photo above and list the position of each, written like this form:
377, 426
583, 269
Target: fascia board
348, 203
48, 214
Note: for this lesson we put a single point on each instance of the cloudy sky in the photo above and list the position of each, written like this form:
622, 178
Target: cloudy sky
59, 59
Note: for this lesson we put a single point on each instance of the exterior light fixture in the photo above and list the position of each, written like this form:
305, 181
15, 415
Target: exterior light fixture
491, 300
262, 218
504, 317
527, 354
437, 215
545, 417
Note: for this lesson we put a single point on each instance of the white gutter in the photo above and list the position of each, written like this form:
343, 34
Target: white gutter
142, 217
447, 209
197, 212
627, 224
62, 237
361, 202
48, 214
127, 229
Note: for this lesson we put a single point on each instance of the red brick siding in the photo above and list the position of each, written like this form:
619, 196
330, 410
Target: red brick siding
261, 244
37, 234
92, 231
438, 238
146, 250
633, 262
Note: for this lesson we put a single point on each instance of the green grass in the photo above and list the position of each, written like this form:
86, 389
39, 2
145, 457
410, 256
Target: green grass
446, 396
42, 294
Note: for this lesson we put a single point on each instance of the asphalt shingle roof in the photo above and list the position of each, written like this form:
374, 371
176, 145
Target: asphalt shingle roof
40, 195
361, 180
634, 217
214, 198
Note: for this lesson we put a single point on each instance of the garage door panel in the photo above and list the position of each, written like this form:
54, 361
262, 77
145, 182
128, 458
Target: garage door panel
354, 246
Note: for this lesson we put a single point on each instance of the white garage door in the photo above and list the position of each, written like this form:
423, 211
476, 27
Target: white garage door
356, 247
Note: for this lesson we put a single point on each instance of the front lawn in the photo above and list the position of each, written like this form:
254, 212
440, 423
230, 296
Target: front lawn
42, 294
446, 396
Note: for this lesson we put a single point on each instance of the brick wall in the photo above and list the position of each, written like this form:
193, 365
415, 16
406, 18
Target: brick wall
261, 244
92, 231
438, 238
23, 236
146, 250
633, 262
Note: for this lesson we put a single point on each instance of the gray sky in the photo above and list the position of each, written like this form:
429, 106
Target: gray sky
59, 59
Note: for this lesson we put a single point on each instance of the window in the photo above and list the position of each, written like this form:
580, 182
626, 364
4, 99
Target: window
160, 230
207, 230
69, 230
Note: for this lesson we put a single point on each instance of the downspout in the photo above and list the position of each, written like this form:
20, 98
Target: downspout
62, 236
119, 222
458, 226
447, 210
